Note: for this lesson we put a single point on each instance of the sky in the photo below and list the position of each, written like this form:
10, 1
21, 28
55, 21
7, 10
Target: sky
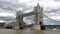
8, 9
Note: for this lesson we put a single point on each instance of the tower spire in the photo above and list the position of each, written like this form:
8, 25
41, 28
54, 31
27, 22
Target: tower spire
38, 5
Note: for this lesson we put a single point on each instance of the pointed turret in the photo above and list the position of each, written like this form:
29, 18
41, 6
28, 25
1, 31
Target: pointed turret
38, 5
38, 14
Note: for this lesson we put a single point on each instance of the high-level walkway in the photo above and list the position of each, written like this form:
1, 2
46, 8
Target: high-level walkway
32, 13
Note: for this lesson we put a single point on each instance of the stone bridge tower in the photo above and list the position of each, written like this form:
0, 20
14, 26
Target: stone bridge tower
38, 14
19, 19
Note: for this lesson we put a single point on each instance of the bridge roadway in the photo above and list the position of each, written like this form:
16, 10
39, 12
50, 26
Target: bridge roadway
28, 14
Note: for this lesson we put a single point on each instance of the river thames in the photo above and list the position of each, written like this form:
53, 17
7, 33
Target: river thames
27, 31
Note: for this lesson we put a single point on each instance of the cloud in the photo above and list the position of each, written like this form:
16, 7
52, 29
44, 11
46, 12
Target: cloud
9, 5
29, 20
57, 0
6, 15
7, 18
47, 21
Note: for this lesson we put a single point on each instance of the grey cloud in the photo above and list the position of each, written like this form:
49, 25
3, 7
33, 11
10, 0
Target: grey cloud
53, 13
39, 0
5, 5
13, 6
57, 0
7, 18
28, 8
51, 10
8, 5
6, 11
31, 18
48, 21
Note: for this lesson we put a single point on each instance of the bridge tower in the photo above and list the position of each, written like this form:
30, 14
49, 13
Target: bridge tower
19, 19
38, 14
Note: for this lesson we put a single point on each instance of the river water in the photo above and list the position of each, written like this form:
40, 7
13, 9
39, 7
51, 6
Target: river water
12, 31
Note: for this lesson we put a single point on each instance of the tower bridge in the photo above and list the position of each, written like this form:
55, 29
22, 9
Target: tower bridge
38, 16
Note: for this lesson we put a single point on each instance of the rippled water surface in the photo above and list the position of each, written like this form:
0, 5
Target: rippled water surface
11, 31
